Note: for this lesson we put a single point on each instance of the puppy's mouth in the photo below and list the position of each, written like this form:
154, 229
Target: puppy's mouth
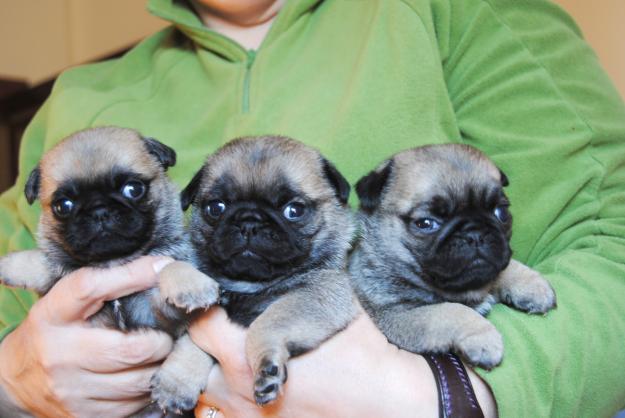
249, 254
262, 253
250, 264
456, 275
100, 242
475, 276
255, 258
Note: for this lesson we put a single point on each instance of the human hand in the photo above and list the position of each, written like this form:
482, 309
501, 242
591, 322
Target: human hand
55, 364
356, 373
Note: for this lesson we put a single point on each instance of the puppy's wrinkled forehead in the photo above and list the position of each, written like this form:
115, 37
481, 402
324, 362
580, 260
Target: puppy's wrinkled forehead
260, 165
90, 154
451, 171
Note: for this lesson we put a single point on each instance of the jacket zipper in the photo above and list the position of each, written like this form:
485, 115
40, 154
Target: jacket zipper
251, 55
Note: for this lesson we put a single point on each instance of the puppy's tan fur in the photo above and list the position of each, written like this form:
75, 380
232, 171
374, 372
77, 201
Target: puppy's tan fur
294, 312
412, 312
94, 154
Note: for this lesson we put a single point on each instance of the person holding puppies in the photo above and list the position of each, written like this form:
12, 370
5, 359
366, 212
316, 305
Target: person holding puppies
359, 81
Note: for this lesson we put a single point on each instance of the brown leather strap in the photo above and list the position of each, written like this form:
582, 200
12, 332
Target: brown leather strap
456, 398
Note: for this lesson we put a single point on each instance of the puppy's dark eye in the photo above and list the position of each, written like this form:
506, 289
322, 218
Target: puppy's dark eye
427, 224
62, 207
294, 211
215, 208
501, 213
133, 190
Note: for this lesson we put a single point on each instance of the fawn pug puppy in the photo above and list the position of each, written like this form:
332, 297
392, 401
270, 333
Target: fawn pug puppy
271, 224
434, 253
106, 200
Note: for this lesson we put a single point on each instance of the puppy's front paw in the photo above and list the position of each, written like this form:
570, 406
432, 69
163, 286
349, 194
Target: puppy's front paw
269, 380
187, 288
203, 296
28, 269
534, 296
173, 394
482, 347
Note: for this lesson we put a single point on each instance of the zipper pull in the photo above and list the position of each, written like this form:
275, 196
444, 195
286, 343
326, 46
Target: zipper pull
251, 56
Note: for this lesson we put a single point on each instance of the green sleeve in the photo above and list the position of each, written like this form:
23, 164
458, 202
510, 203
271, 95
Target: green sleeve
18, 223
530, 92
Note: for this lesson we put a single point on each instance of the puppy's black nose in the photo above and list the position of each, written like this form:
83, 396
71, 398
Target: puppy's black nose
474, 237
248, 228
249, 221
100, 213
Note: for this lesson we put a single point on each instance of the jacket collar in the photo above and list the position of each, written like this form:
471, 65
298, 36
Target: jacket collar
180, 14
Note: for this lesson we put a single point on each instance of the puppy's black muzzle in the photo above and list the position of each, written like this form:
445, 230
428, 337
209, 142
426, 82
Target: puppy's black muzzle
468, 253
255, 244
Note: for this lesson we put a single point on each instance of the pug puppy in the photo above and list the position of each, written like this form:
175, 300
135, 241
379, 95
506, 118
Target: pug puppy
434, 253
271, 224
105, 201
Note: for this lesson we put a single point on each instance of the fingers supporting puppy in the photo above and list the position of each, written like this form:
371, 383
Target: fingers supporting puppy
108, 351
128, 384
124, 408
214, 333
214, 396
82, 293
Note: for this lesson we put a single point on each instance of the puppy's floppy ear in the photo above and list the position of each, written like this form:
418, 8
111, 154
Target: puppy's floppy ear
190, 192
503, 178
164, 154
339, 183
31, 190
370, 187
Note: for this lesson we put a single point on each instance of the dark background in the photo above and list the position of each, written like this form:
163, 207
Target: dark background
18, 105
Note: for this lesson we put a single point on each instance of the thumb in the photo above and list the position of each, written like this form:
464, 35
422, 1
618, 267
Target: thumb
83, 292
214, 333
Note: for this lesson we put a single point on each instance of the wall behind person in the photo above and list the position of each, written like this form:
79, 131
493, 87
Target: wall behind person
602, 22
40, 38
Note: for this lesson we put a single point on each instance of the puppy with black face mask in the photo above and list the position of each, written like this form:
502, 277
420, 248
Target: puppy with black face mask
105, 201
271, 224
434, 253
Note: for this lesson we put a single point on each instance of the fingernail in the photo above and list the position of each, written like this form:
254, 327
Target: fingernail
161, 263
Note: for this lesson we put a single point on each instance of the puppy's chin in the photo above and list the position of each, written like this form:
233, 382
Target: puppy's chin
262, 257
104, 247
248, 266
473, 275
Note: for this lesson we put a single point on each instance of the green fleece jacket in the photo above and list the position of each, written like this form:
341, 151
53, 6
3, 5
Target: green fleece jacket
361, 80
